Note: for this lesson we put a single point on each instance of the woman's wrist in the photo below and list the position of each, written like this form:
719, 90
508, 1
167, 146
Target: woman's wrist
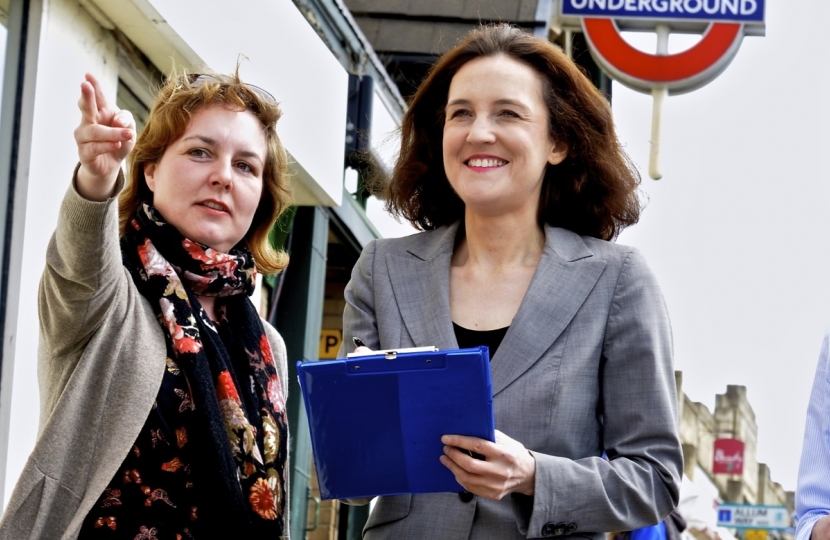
95, 188
528, 486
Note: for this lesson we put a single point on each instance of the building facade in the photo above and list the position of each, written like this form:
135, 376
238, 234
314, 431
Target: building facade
733, 418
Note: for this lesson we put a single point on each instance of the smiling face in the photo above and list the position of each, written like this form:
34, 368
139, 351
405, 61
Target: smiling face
496, 143
208, 183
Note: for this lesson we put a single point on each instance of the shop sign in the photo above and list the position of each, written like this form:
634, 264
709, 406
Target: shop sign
728, 457
330, 340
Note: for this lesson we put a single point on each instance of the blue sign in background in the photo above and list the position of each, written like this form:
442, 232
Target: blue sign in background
747, 11
753, 516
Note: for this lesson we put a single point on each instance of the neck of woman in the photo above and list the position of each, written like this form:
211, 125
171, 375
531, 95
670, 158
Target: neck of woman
209, 305
500, 242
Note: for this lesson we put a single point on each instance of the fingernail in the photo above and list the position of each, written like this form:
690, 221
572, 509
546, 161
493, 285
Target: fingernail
126, 134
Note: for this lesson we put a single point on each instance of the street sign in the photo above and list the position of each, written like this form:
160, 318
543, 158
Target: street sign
743, 11
330, 340
748, 516
722, 23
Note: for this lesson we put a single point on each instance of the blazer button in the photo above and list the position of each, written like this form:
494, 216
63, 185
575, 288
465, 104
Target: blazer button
548, 529
559, 530
570, 528
466, 496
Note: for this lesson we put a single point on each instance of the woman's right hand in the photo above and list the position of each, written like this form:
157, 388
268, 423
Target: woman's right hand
105, 136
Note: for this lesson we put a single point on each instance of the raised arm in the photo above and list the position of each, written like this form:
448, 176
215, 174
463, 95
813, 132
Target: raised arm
83, 259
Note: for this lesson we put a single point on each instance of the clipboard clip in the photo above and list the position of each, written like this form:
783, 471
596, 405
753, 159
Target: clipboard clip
395, 360
392, 355
395, 352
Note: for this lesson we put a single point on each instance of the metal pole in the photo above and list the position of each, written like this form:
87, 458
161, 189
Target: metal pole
569, 44
299, 317
658, 94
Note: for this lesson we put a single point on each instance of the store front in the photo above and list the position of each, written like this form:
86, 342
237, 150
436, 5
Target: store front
130, 45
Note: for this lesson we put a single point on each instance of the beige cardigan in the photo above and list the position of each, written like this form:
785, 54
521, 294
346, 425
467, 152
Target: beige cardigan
101, 358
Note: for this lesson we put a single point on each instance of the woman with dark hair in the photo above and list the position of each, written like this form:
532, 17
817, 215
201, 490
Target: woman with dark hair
510, 165
162, 403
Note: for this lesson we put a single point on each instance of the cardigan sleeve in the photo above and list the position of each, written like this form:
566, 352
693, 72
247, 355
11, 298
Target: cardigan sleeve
280, 355
82, 278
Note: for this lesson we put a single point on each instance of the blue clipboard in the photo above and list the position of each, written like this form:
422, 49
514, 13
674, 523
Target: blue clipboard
376, 421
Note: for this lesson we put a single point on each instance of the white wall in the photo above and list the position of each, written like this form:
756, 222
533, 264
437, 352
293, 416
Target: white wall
280, 51
3, 33
286, 56
71, 45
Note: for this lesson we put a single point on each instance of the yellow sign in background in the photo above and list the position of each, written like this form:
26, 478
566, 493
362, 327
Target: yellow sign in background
330, 341
755, 534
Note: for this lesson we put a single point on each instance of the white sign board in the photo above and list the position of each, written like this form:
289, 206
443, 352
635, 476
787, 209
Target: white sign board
746, 516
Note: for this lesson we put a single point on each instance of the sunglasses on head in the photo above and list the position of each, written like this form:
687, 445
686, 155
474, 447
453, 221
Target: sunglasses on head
198, 79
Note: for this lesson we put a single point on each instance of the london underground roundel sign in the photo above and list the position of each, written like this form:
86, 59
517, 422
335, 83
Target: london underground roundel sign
723, 24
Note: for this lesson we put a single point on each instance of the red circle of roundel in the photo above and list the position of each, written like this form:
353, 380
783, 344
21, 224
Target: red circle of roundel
608, 42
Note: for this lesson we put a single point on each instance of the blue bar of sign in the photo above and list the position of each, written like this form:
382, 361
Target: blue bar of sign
747, 11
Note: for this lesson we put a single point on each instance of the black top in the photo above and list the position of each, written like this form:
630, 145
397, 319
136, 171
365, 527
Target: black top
473, 338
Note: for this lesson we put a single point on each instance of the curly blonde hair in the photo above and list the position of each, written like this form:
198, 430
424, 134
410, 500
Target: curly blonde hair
178, 100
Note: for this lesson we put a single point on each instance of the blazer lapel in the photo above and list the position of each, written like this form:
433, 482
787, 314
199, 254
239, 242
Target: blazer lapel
421, 283
566, 275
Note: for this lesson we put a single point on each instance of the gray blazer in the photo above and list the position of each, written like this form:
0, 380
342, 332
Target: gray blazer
585, 368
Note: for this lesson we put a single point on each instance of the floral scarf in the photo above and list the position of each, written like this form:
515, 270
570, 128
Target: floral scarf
244, 425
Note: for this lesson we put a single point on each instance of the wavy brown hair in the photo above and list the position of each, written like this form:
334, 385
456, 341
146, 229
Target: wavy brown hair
178, 100
592, 192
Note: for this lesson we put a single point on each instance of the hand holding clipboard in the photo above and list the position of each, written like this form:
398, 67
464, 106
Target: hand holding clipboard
512, 469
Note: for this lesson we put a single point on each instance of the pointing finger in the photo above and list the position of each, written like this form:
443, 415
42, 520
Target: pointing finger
87, 104
100, 98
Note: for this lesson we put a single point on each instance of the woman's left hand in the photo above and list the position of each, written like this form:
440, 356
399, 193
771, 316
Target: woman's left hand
508, 466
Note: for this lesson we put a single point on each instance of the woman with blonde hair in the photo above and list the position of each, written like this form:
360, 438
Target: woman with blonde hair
162, 390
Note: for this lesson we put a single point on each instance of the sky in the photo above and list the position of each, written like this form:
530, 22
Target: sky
736, 230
